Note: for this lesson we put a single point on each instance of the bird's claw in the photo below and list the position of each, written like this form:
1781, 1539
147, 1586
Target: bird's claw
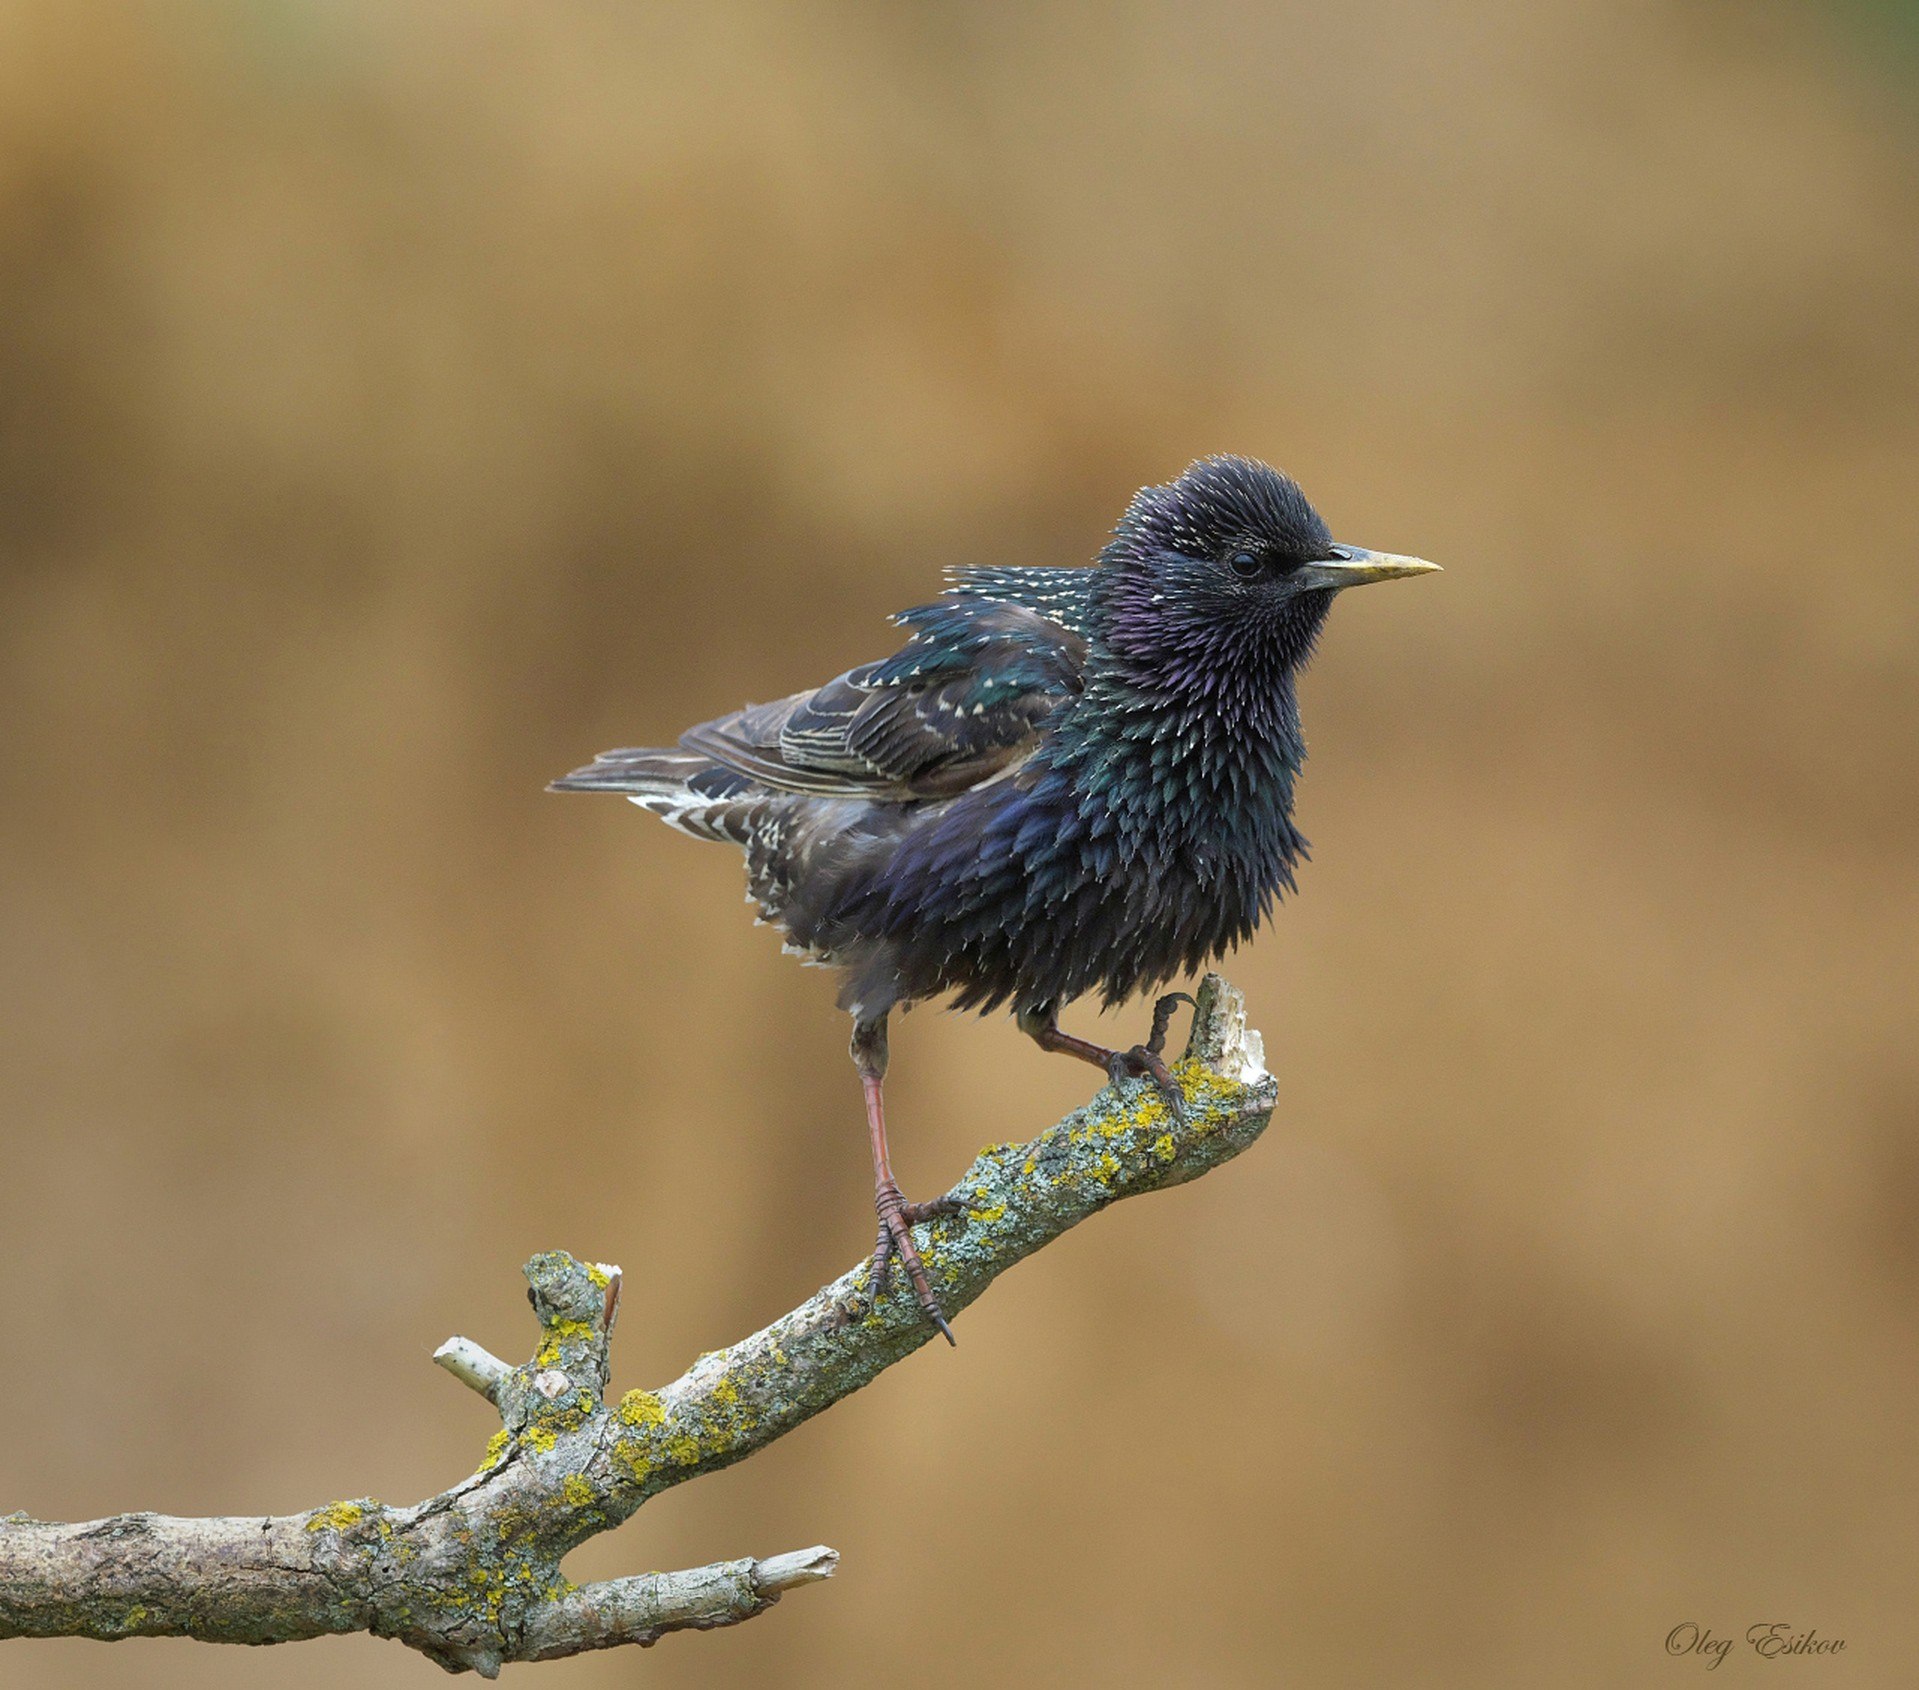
897, 1219
1148, 1061
1142, 1062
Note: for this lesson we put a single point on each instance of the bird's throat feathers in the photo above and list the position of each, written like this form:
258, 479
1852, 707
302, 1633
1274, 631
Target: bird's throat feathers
1187, 733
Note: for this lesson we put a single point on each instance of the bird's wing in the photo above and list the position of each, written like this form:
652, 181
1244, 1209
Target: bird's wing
964, 697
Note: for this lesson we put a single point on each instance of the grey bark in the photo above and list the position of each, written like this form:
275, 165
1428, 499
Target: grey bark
471, 1577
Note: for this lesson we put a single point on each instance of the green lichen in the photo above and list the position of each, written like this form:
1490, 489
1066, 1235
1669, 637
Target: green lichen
501, 1567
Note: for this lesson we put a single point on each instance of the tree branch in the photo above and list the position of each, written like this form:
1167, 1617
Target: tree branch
471, 1577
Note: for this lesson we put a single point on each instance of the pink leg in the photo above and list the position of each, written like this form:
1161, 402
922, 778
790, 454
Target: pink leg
897, 1216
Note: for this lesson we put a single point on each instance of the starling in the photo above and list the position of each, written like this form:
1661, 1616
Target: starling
1064, 781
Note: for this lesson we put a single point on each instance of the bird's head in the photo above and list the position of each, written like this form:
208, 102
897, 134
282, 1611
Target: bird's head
1220, 581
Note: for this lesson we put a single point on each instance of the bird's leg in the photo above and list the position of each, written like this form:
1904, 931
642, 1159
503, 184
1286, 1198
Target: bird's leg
897, 1216
1146, 1061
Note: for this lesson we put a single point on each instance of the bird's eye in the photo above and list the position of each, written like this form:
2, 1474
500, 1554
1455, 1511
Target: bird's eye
1245, 563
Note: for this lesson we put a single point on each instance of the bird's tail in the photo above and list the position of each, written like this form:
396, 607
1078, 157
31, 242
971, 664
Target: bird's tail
684, 789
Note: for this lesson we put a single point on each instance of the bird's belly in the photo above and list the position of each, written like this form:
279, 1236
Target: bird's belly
1117, 932
992, 899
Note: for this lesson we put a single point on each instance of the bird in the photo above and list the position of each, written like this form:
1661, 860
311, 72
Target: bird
1066, 780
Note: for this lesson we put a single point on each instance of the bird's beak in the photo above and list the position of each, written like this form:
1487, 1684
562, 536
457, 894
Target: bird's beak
1354, 566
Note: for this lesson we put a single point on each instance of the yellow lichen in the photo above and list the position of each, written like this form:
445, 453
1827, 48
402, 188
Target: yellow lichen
642, 1408
598, 1275
1117, 1125
336, 1517
496, 1446
1150, 1111
578, 1492
560, 1332
565, 1418
541, 1438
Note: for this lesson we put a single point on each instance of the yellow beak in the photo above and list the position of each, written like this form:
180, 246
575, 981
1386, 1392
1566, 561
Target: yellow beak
1354, 566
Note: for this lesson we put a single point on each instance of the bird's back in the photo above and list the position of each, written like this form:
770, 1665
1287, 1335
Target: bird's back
819, 788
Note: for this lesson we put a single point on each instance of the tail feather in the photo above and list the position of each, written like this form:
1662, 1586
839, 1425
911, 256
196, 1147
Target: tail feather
634, 769
684, 789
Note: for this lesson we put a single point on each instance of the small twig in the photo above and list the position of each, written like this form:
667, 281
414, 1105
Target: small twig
473, 1366
639, 1610
780, 1573
471, 1577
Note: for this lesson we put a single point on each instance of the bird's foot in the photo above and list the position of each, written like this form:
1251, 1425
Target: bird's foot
897, 1219
1148, 1061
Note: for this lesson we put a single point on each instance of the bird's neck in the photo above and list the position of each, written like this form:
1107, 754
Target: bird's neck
1185, 743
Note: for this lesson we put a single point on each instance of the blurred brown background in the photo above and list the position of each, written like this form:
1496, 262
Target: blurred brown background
400, 402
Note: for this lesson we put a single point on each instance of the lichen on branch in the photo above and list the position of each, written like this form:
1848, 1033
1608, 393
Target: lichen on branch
471, 1577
